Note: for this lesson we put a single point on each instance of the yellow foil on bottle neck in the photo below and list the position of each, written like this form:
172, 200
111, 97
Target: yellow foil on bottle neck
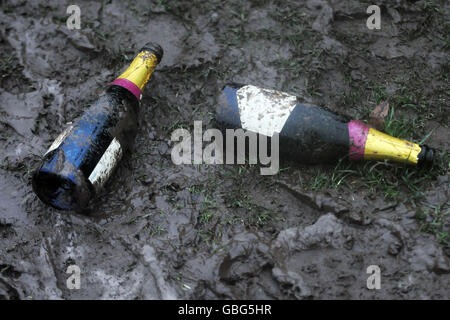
140, 69
380, 146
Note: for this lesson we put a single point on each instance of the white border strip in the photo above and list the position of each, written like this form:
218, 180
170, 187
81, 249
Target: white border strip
264, 111
106, 164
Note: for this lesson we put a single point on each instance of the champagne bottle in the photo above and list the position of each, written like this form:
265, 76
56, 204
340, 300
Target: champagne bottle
79, 162
308, 133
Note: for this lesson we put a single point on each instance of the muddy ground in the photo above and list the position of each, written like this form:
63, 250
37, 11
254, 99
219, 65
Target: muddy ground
161, 231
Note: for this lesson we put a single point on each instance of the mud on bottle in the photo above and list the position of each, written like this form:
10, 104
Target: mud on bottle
307, 133
80, 161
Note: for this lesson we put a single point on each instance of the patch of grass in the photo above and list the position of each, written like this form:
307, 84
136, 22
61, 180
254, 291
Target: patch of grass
135, 218
205, 217
394, 180
435, 220
323, 178
6, 66
207, 236
157, 230
388, 179
307, 55
378, 179
363, 96
245, 211
352, 99
208, 207
258, 217
378, 92
319, 181
196, 189
430, 7
406, 100
401, 127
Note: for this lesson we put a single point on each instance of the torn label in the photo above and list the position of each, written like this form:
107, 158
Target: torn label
264, 111
106, 165
60, 139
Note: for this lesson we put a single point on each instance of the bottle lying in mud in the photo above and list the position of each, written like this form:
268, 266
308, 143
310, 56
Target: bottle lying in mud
307, 133
83, 157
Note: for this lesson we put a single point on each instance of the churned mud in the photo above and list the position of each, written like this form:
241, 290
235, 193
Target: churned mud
161, 231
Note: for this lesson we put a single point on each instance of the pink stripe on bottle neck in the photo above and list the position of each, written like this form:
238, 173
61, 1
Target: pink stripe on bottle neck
130, 86
357, 132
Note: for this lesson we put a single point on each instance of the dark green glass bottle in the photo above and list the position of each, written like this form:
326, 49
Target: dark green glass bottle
308, 133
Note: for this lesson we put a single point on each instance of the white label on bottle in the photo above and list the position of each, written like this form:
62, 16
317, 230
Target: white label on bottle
264, 111
106, 165
60, 139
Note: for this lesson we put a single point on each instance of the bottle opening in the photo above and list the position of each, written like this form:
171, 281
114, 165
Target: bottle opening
154, 48
426, 156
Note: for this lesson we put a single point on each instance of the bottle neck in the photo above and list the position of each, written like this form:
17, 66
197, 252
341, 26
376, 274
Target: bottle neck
136, 76
370, 144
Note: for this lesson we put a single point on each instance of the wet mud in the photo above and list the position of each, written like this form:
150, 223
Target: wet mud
161, 231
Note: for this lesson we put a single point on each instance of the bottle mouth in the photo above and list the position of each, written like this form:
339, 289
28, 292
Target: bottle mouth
154, 48
59, 191
426, 156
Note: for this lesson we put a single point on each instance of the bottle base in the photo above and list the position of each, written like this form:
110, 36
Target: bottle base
62, 192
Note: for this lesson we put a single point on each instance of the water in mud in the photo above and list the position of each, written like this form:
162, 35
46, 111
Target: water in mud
161, 231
